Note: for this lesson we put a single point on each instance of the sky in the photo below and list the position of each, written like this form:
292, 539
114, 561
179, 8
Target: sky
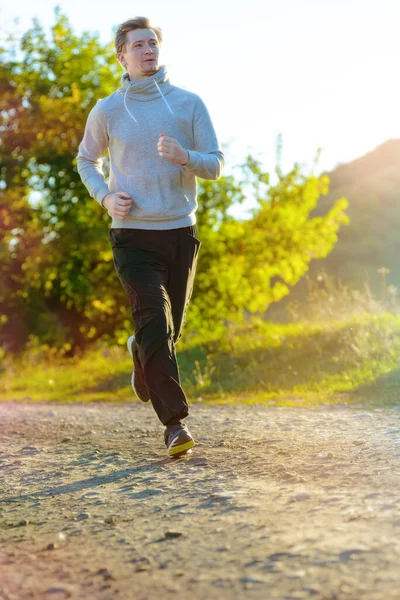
320, 73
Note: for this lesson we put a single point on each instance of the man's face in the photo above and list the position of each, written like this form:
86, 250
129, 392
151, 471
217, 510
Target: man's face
140, 53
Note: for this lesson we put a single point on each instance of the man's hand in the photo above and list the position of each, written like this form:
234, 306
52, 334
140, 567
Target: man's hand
171, 149
117, 204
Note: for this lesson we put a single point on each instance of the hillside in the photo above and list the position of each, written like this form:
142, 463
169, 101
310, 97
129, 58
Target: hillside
371, 184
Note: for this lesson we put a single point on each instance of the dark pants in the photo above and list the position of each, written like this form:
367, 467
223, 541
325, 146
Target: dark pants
157, 269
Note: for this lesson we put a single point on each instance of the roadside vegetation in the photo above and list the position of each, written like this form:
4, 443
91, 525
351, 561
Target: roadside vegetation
340, 347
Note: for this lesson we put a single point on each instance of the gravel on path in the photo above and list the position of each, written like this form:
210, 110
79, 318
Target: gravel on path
272, 503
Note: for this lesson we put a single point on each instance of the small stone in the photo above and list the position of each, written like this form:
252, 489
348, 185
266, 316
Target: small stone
23, 522
65, 440
58, 590
298, 574
30, 449
110, 520
324, 455
106, 574
83, 517
142, 568
143, 563
52, 546
347, 555
300, 497
200, 461
358, 442
250, 580
173, 534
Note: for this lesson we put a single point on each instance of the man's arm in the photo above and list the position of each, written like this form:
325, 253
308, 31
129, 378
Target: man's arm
206, 160
91, 155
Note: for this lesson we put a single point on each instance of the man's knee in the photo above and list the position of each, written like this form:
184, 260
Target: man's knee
156, 329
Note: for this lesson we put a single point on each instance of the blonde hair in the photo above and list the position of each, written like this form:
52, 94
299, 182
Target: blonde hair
131, 25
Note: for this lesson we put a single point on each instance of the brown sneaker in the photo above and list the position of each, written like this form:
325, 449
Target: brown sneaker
178, 439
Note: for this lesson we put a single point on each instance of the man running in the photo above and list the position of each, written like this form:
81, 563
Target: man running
159, 138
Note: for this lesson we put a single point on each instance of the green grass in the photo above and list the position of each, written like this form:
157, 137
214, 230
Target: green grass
354, 361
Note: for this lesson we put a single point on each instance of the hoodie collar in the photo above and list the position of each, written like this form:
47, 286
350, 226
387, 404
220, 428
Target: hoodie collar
146, 89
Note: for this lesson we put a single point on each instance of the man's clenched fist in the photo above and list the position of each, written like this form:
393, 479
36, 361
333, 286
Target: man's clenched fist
171, 149
117, 204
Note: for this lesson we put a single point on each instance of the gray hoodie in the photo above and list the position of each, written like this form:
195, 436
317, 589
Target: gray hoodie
129, 123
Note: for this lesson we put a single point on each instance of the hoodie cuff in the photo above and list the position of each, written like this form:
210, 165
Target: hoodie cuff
101, 193
192, 162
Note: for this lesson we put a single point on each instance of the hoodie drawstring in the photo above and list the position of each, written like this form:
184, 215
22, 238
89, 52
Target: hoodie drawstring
163, 97
127, 110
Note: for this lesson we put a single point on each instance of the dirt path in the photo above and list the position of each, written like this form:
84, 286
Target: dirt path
272, 503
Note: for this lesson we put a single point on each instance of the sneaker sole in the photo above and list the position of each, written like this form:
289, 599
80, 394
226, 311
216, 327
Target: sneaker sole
129, 345
181, 449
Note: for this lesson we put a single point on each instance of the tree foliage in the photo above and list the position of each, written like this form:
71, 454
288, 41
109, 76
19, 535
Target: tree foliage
247, 265
57, 279
55, 261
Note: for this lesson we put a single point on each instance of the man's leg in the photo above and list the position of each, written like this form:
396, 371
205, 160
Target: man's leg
142, 260
181, 276
179, 287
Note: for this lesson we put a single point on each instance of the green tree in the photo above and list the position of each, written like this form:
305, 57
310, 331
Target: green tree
247, 265
56, 262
